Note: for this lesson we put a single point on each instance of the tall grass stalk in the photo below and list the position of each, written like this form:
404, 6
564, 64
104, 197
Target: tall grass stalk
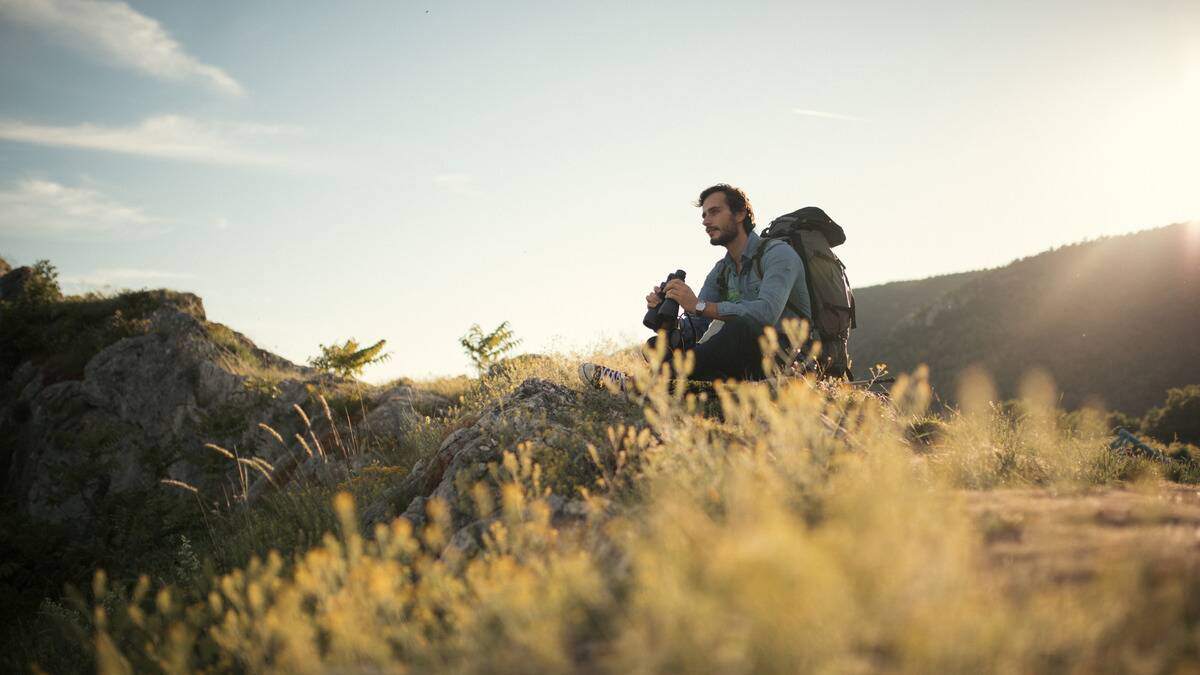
791, 529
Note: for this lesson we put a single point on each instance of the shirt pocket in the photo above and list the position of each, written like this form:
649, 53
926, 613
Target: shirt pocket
752, 284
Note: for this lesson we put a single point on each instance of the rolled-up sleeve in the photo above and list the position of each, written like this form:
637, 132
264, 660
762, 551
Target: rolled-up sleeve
781, 268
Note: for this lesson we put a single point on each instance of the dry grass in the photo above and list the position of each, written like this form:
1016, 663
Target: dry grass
796, 531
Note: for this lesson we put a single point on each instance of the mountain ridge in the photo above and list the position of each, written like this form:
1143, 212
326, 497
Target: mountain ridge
1108, 319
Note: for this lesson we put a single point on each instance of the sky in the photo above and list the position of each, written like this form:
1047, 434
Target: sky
402, 170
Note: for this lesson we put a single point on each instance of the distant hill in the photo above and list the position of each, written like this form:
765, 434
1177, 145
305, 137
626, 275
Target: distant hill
1115, 320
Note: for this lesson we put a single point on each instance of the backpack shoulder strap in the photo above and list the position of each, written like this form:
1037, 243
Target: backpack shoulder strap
756, 261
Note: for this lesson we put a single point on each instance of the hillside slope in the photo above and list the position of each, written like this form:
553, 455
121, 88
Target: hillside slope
1113, 320
119, 414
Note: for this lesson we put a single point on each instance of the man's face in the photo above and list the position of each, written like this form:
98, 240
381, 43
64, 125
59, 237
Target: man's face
719, 222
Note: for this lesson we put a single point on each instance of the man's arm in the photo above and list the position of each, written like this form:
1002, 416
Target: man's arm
781, 267
709, 293
711, 311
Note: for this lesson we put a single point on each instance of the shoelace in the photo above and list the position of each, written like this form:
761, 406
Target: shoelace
604, 372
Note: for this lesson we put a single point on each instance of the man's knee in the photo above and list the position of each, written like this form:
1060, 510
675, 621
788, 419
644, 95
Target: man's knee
744, 327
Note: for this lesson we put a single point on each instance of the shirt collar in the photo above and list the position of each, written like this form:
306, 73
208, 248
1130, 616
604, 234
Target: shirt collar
752, 242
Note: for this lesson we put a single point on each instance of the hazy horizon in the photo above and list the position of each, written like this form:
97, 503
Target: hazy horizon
405, 170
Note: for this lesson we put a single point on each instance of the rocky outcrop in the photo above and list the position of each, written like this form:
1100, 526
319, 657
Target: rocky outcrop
397, 409
147, 405
537, 412
142, 412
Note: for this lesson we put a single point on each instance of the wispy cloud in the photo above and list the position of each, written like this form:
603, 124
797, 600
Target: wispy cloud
120, 34
165, 136
828, 115
43, 208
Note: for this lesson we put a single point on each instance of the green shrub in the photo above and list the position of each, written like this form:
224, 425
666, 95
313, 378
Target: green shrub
1183, 463
348, 359
1116, 418
42, 289
484, 350
1178, 418
64, 333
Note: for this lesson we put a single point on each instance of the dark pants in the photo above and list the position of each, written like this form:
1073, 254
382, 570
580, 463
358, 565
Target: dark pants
732, 353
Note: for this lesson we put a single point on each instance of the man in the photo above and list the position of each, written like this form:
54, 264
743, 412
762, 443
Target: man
735, 303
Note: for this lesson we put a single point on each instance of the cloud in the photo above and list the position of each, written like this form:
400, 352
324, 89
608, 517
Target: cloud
43, 208
164, 136
119, 33
828, 115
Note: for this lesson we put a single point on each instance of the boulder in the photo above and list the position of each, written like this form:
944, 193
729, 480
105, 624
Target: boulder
398, 409
538, 411
83, 455
143, 412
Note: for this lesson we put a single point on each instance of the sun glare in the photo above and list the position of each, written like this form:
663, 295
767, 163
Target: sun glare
1192, 243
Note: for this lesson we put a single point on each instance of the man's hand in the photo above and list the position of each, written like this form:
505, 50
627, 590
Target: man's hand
682, 293
653, 300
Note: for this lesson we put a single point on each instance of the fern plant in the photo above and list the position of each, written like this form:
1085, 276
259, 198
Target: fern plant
348, 360
485, 349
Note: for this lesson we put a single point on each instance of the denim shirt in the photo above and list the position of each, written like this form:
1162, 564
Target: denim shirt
762, 299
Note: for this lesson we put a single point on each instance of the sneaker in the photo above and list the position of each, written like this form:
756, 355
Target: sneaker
599, 376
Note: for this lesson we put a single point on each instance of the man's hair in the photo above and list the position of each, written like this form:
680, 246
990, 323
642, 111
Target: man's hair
735, 198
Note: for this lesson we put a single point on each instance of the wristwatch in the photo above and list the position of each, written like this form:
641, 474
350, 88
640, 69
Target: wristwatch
700, 308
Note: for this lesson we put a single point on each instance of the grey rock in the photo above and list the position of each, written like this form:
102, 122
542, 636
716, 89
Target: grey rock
29, 379
147, 405
399, 409
84, 454
468, 540
415, 513
537, 408
143, 411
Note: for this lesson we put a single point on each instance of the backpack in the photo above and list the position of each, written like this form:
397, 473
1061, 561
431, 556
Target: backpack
813, 234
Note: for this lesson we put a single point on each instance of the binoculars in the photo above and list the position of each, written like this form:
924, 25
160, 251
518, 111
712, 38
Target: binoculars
667, 310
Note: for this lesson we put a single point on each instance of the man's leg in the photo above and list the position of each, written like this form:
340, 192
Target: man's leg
732, 352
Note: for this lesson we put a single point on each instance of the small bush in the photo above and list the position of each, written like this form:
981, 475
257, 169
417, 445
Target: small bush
63, 334
41, 289
1183, 463
348, 359
486, 349
1178, 418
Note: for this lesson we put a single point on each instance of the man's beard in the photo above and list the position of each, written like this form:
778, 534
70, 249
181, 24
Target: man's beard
724, 238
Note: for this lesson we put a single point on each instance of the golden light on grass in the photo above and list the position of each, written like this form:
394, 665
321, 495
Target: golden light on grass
274, 434
218, 449
976, 391
795, 532
179, 484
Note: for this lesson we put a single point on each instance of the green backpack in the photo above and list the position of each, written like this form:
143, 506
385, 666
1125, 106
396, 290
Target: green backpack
813, 235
